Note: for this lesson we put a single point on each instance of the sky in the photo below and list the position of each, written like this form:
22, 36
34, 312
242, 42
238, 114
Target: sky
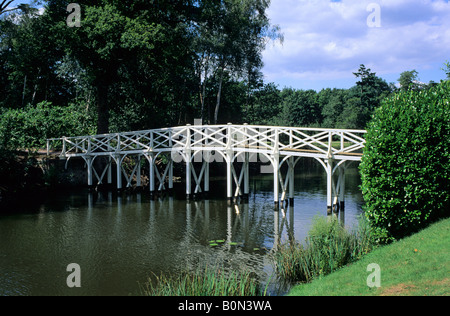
325, 41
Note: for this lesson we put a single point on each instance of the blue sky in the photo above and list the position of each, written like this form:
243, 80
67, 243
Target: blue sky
326, 40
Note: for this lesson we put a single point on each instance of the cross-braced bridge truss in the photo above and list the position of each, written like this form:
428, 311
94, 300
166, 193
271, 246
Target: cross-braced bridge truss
231, 144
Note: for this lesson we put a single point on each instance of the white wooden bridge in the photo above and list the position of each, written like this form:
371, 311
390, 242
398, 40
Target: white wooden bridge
231, 144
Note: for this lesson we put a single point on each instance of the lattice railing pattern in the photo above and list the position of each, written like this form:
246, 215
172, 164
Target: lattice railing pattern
251, 138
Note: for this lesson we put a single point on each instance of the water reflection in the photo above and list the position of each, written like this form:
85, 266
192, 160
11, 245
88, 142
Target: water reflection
122, 239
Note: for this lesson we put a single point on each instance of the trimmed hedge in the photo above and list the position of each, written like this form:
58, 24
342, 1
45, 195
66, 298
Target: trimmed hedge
405, 168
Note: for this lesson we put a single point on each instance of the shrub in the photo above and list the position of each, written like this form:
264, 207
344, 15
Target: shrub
30, 127
405, 168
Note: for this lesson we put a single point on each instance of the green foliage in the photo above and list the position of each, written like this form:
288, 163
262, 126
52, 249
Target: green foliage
328, 247
264, 106
204, 282
446, 69
29, 128
300, 108
408, 80
405, 168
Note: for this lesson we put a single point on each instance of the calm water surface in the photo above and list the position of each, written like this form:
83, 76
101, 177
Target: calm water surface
120, 240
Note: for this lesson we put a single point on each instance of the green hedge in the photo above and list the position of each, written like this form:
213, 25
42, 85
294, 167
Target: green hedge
405, 168
30, 127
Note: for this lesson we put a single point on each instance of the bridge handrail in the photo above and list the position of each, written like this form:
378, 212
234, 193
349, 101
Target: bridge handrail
271, 139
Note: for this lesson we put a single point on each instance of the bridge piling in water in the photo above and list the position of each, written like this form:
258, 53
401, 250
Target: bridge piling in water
334, 149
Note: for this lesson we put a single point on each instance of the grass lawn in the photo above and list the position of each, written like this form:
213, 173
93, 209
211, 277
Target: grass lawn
416, 265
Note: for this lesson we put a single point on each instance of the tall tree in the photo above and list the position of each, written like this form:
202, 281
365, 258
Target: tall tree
371, 90
117, 37
230, 37
409, 80
29, 57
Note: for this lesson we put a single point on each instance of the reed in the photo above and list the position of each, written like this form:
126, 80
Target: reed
205, 282
328, 247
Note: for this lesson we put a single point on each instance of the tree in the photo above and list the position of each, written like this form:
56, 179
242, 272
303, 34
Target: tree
229, 36
264, 106
446, 69
332, 103
300, 108
4, 5
372, 90
123, 41
409, 80
28, 56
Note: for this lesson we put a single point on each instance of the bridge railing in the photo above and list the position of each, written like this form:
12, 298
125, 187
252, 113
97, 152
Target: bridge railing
250, 138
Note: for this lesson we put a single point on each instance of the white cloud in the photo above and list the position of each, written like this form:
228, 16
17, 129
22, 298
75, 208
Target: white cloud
323, 36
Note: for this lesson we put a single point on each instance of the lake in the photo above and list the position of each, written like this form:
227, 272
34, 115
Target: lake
120, 240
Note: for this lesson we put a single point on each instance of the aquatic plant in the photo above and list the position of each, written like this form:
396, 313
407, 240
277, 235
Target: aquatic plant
328, 247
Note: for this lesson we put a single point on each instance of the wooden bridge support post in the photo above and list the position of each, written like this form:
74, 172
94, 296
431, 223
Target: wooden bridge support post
151, 176
246, 176
89, 170
342, 187
170, 174
276, 179
206, 160
118, 159
291, 180
276, 192
329, 165
276, 170
246, 165
188, 160
229, 159
138, 171
291, 164
109, 172
206, 176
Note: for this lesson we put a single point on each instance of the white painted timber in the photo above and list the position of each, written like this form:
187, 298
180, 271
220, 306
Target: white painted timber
229, 143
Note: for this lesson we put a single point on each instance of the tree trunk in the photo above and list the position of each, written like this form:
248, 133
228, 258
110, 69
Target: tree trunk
219, 92
24, 88
202, 86
201, 90
36, 86
102, 108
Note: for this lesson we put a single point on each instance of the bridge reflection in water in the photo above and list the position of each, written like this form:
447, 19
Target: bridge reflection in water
243, 220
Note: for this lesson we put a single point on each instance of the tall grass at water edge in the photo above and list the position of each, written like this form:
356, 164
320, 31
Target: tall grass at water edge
328, 247
205, 282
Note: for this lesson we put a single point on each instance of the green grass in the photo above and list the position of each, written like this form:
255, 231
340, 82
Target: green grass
213, 281
416, 265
